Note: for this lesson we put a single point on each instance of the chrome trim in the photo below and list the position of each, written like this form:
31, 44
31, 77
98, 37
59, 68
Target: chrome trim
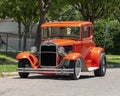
47, 43
46, 70
48, 52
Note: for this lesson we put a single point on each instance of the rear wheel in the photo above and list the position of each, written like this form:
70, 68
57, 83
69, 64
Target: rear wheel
23, 64
102, 69
77, 69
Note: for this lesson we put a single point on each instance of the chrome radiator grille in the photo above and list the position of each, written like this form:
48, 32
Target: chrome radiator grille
48, 55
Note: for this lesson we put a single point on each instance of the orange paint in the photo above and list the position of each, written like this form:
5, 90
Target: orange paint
25, 55
63, 42
73, 56
66, 23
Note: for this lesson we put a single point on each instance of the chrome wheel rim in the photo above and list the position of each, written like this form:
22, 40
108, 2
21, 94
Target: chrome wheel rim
78, 68
103, 65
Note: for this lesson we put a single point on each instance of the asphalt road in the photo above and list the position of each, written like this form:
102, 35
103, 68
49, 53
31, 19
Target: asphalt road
41, 85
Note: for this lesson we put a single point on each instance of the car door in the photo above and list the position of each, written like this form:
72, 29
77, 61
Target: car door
86, 39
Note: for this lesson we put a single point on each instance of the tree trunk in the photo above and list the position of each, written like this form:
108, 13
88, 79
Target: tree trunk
25, 36
20, 36
41, 21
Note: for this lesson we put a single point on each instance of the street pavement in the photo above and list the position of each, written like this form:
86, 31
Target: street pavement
42, 85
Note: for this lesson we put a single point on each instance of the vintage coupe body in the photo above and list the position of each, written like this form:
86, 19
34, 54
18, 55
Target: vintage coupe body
67, 48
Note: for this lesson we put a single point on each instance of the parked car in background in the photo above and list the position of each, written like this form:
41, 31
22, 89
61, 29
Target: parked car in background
67, 48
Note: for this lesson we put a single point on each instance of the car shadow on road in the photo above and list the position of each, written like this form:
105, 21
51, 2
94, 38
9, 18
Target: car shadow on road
56, 77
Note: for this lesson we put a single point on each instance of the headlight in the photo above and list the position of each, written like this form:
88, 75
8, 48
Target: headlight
61, 51
33, 49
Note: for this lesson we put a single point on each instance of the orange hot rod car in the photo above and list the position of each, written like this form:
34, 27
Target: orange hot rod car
67, 48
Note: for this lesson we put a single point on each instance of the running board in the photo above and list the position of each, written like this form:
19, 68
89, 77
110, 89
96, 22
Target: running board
93, 68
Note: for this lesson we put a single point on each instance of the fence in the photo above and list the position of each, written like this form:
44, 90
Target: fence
10, 42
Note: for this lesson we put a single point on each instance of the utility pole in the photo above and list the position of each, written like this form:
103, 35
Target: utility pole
105, 34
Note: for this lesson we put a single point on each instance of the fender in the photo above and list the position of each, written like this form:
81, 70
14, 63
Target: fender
32, 59
73, 56
93, 57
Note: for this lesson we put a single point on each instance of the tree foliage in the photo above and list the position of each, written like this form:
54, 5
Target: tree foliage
107, 38
67, 12
91, 9
116, 10
1, 12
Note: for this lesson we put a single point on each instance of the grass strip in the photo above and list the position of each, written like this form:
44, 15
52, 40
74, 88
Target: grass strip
8, 63
113, 59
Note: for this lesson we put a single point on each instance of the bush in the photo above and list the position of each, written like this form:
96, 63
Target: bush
107, 35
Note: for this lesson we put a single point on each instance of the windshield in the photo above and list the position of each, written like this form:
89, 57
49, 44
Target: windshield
51, 32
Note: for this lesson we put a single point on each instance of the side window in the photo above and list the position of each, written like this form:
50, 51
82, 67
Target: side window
86, 32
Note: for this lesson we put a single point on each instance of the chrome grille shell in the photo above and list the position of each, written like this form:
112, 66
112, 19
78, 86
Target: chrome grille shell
48, 54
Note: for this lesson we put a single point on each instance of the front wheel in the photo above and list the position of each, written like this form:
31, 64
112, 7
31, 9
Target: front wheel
102, 69
23, 64
23, 74
77, 69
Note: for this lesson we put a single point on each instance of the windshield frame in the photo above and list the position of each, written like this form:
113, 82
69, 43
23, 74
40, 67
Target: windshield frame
73, 32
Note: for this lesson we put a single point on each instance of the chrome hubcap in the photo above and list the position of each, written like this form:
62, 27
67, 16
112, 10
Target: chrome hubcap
103, 65
78, 68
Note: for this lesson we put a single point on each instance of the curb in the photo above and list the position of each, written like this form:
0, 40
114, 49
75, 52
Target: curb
113, 65
6, 74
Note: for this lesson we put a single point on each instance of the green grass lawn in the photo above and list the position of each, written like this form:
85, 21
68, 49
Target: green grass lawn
113, 59
8, 63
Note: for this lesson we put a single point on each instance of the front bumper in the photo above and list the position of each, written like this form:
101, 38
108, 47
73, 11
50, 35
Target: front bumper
47, 71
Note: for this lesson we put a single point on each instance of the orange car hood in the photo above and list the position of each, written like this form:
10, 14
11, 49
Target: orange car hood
63, 42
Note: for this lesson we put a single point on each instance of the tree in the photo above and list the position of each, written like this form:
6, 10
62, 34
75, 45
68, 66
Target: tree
107, 33
66, 12
116, 11
91, 9
44, 6
24, 12
1, 12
